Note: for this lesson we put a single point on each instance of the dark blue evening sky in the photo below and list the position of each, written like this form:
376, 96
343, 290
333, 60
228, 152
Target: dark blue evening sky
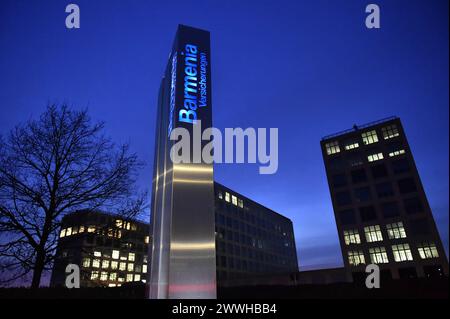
310, 68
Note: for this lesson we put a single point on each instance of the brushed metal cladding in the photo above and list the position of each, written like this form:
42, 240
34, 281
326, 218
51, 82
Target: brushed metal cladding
183, 261
161, 205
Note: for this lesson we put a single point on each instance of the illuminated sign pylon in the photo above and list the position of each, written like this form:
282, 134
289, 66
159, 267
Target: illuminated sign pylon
183, 261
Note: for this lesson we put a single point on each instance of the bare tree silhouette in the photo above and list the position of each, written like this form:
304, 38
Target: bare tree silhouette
51, 166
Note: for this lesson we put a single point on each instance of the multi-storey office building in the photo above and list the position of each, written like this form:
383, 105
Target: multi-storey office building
109, 249
381, 210
251, 240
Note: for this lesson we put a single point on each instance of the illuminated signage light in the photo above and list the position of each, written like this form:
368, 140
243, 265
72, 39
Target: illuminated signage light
194, 81
173, 83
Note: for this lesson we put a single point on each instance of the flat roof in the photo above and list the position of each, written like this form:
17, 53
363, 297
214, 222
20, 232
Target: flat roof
358, 127
254, 202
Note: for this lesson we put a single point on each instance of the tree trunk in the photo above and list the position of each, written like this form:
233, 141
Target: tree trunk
38, 269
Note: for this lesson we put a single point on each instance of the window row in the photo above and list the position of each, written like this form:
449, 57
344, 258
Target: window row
268, 243
264, 228
412, 206
113, 276
125, 224
401, 253
379, 170
373, 233
251, 266
368, 137
360, 176
116, 255
110, 232
253, 254
229, 198
383, 190
114, 265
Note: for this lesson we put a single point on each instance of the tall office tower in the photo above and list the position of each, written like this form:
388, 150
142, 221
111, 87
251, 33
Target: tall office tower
109, 249
183, 254
382, 214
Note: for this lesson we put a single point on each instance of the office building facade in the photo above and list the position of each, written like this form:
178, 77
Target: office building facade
251, 240
110, 250
382, 213
252, 243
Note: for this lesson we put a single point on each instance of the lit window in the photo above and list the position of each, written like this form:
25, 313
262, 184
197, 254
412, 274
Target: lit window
396, 153
147, 239
81, 229
74, 230
220, 195
119, 234
401, 252
375, 157
121, 279
122, 266
113, 276
130, 267
396, 230
234, 200
104, 276
137, 277
115, 254
144, 269
86, 262
119, 223
123, 257
356, 258
351, 237
129, 277
110, 232
114, 264
373, 233
378, 255
96, 263
105, 264
145, 258
369, 137
351, 146
97, 254
240, 203
91, 229
133, 226
63, 233
332, 148
428, 250
390, 131
112, 285
94, 275
69, 231
227, 197
131, 256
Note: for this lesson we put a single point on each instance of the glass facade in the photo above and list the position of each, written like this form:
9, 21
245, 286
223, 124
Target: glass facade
250, 238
